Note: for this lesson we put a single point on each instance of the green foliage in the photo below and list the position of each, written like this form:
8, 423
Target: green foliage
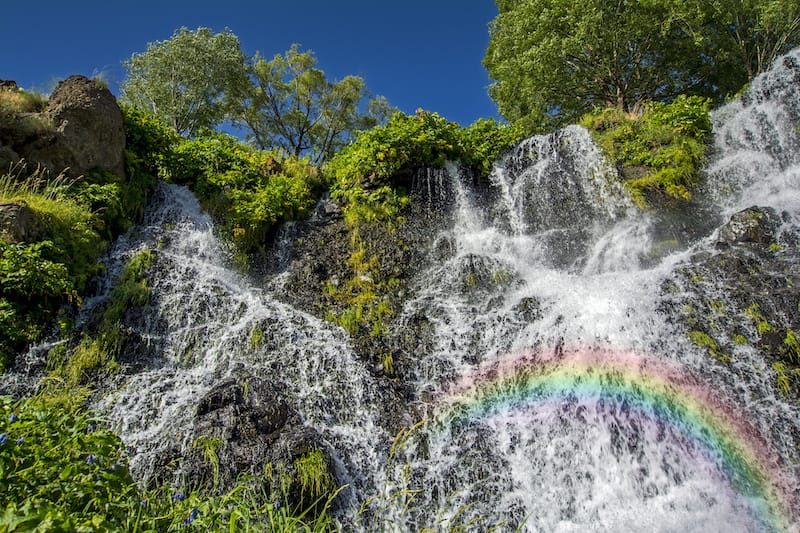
553, 60
485, 140
400, 146
291, 105
130, 289
32, 287
742, 38
60, 471
364, 173
36, 279
148, 138
248, 191
190, 80
313, 476
666, 143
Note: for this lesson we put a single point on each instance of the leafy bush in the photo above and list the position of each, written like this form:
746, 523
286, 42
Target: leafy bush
38, 278
248, 191
62, 472
661, 150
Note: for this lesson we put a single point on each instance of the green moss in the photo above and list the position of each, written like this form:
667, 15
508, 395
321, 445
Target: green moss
130, 290
92, 355
740, 340
256, 338
762, 325
792, 343
785, 377
703, 340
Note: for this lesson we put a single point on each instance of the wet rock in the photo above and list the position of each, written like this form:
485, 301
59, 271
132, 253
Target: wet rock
245, 426
19, 223
752, 225
744, 297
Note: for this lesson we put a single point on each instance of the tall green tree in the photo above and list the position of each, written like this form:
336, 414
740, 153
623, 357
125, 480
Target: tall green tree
744, 37
190, 80
293, 106
553, 60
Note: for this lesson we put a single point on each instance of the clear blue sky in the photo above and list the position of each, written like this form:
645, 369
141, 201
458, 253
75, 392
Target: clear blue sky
417, 53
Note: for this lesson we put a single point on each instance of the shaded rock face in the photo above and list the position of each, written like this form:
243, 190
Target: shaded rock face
245, 426
753, 225
19, 223
746, 296
88, 131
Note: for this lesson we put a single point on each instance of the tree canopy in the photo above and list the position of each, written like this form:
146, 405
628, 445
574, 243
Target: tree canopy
189, 80
553, 60
293, 106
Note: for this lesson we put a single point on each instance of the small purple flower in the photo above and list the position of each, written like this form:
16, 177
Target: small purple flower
91, 459
3, 438
195, 513
12, 417
143, 503
20, 441
178, 497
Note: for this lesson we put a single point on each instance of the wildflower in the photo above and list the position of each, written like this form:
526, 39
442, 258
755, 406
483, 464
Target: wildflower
91, 459
178, 497
144, 503
12, 417
20, 441
3, 438
189, 519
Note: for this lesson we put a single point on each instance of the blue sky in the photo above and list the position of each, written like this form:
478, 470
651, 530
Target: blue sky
416, 53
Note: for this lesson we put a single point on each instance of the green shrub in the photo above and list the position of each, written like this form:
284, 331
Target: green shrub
62, 472
248, 191
667, 142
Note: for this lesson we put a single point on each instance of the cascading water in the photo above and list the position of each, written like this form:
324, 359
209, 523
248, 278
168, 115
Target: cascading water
201, 321
560, 395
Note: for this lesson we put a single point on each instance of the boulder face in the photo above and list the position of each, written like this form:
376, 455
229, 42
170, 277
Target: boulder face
245, 426
18, 223
88, 131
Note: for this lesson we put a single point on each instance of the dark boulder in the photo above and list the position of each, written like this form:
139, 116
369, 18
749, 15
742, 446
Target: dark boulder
19, 223
752, 225
245, 426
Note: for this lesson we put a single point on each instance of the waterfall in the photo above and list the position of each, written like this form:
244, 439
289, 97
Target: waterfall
200, 323
560, 394
559, 388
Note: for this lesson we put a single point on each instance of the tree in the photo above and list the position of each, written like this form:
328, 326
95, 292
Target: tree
189, 80
745, 36
553, 60
293, 106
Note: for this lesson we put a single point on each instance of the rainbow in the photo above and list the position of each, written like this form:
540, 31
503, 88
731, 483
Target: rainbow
652, 387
